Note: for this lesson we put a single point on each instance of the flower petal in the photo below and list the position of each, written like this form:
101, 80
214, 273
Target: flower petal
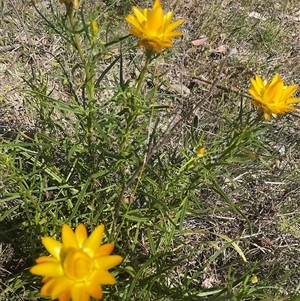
65, 296
53, 246
274, 92
289, 91
253, 92
108, 262
68, 237
93, 242
155, 20
94, 290
59, 285
50, 269
292, 100
81, 235
175, 24
156, 5
103, 277
139, 15
79, 293
104, 250
167, 19
173, 34
134, 22
257, 85
43, 259
47, 287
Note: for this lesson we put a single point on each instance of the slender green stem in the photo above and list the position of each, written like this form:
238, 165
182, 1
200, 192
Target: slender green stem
240, 135
125, 185
77, 43
143, 72
87, 68
89, 79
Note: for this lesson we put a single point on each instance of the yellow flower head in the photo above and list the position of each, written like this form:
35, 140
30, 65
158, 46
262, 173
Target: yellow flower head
78, 266
75, 3
200, 151
94, 28
273, 97
153, 27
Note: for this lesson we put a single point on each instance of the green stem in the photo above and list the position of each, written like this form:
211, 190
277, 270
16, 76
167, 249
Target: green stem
88, 87
143, 72
89, 79
240, 135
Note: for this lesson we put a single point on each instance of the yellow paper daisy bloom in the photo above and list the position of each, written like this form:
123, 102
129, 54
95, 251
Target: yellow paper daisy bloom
75, 3
153, 27
78, 266
273, 97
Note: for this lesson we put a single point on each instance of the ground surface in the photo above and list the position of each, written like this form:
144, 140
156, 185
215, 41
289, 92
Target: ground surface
263, 37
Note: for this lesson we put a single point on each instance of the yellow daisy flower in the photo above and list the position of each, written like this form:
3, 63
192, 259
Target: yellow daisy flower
153, 27
78, 266
74, 2
273, 97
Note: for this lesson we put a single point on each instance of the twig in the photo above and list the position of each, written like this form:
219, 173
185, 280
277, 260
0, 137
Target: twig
226, 89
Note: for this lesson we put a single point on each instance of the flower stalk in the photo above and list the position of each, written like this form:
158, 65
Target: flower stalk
144, 70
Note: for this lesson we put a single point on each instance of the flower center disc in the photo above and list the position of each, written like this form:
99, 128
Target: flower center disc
78, 265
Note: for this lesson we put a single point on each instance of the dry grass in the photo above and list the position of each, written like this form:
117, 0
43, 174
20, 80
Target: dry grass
264, 36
